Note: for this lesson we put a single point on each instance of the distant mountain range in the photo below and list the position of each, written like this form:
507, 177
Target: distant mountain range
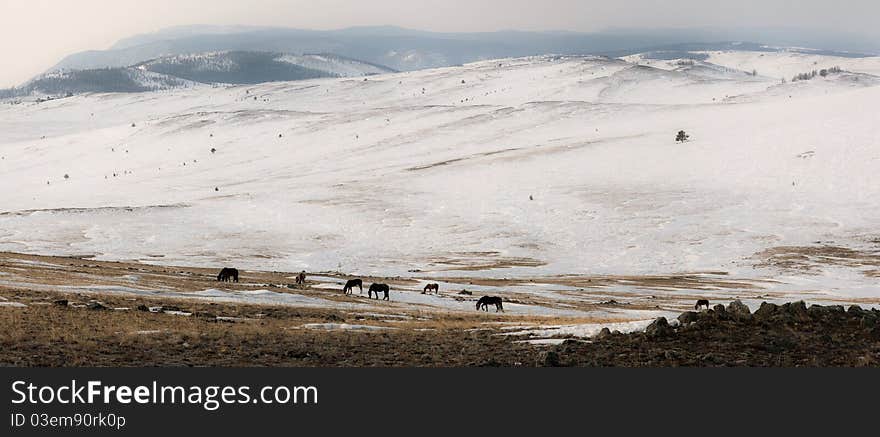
187, 55
405, 50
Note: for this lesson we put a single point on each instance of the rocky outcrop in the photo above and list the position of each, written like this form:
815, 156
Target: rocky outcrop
738, 313
776, 335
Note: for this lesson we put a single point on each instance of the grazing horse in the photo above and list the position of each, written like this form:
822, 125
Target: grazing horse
349, 286
431, 287
228, 274
485, 301
376, 288
301, 278
700, 303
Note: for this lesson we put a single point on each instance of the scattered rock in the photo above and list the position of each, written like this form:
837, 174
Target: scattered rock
688, 317
766, 311
856, 311
465, 292
96, 306
711, 358
796, 311
659, 328
61, 302
739, 310
548, 359
604, 333
143, 308
868, 321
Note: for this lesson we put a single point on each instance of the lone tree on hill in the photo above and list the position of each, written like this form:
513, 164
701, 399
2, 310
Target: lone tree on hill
681, 137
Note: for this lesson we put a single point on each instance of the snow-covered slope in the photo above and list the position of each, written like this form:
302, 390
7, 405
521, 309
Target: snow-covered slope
537, 165
190, 70
243, 67
59, 83
772, 64
788, 64
335, 65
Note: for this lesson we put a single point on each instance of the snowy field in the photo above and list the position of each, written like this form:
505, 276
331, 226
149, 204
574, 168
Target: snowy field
511, 168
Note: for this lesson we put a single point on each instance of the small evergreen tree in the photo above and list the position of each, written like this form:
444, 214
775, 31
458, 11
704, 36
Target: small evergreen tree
681, 137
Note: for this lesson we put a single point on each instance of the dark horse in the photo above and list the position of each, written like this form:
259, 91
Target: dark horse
485, 301
702, 302
376, 288
228, 274
431, 287
301, 278
349, 286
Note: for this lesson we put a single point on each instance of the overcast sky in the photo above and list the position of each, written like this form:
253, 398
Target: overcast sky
35, 34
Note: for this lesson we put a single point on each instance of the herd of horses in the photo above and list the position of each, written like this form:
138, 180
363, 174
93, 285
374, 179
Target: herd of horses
228, 274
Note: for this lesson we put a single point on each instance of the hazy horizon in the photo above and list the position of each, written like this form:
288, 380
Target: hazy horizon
42, 32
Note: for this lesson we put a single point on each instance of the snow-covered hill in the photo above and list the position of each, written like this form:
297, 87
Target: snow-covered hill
240, 67
335, 65
124, 80
190, 70
530, 166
